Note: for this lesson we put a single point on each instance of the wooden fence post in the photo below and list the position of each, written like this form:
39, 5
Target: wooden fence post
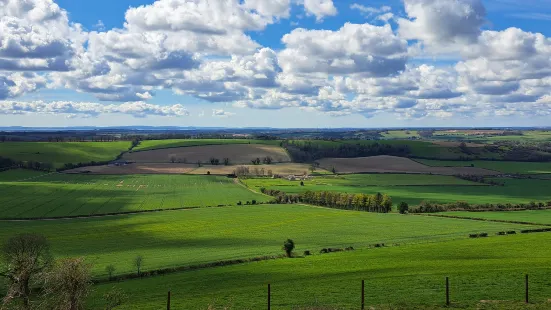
269, 296
526, 289
363, 294
447, 291
168, 301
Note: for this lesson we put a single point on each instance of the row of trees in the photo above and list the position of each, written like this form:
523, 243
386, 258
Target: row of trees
8, 163
243, 171
380, 203
266, 160
430, 207
26, 262
308, 151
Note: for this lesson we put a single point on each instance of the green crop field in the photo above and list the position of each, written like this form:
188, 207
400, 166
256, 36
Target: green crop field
414, 189
531, 216
19, 175
503, 166
184, 237
171, 143
59, 153
57, 195
400, 134
490, 269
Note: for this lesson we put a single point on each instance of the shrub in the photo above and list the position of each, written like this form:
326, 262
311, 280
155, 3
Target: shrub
501, 233
288, 247
239, 203
403, 207
349, 249
322, 251
307, 253
511, 232
253, 202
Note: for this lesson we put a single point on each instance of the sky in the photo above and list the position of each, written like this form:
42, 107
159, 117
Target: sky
275, 63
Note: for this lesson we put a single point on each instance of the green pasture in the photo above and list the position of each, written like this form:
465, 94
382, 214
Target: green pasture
58, 195
187, 237
19, 175
171, 143
414, 189
502, 166
60, 153
530, 216
484, 273
400, 134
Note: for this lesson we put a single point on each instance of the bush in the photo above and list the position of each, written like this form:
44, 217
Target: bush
288, 247
239, 203
323, 251
307, 253
403, 207
253, 202
511, 232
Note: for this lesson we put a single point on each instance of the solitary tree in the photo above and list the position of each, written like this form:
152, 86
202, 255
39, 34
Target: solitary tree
67, 286
24, 258
110, 269
403, 207
288, 247
138, 263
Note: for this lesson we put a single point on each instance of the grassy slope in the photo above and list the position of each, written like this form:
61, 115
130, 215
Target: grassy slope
532, 216
19, 174
514, 191
503, 166
177, 238
170, 143
480, 269
400, 134
59, 195
59, 153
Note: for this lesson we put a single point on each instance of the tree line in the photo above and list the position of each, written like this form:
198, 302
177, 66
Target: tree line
431, 207
308, 151
379, 203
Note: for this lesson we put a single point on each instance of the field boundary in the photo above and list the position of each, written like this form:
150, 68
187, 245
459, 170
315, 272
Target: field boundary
209, 144
483, 219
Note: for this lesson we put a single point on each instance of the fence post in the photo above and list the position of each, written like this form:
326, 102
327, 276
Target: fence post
269, 296
447, 291
168, 301
526, 288
363, 294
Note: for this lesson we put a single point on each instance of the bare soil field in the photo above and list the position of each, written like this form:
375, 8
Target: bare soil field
169, 168
392, 164
136, 169
237, 153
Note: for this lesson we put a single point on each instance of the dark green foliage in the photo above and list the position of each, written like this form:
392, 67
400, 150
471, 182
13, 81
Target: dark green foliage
308, 151
288, 247
307, 253
360, 202
403, 207
429, 207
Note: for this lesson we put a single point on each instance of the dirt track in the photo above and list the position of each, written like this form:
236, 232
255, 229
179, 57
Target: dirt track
237, 153
391, 164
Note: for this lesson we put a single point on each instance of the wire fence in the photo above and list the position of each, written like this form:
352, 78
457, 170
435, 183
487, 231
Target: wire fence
458, 290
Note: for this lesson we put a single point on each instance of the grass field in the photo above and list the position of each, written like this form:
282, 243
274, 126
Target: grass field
483, 273
400, 134
58, 195
59, 153
19, 175
531, 216
414, 189
171, 143
178, 238
502, 166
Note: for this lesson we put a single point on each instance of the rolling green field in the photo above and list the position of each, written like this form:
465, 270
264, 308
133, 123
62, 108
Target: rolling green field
400, 134
171, 143
414, 189
59, 153
490, 269
502, 166
58, 195
185, 237
19, 175
531, 216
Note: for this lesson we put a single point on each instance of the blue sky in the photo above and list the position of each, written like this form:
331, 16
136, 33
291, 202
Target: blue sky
277, 63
